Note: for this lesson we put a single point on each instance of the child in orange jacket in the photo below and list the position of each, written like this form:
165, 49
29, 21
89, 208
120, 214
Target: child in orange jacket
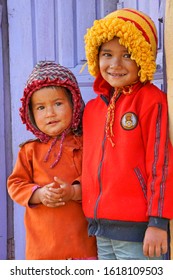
127, 175
46, 176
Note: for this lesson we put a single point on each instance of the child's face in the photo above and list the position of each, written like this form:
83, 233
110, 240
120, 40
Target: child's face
116, 66
52, 110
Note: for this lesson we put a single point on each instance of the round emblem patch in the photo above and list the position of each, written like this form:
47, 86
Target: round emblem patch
129, 121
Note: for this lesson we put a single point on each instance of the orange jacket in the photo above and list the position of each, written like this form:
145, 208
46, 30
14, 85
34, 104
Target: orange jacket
51, 233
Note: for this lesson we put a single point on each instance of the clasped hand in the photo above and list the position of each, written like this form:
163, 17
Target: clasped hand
54, 194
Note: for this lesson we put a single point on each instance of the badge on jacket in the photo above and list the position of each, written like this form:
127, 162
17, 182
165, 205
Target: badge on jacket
129, 121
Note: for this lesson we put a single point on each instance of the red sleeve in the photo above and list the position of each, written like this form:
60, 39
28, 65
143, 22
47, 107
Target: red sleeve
159, 162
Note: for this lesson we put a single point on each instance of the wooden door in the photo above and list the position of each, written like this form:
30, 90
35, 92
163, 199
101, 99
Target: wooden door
3, 205
51, 30
155, 9
54, 30
6, 210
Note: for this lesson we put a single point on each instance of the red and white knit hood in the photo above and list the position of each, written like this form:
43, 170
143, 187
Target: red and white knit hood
49, 73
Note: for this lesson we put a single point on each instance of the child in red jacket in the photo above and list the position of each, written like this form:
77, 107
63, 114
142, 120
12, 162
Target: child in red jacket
127, 171
46, 176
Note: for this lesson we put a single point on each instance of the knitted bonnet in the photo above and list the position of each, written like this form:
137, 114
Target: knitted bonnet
135, 30
48, 73
44, 74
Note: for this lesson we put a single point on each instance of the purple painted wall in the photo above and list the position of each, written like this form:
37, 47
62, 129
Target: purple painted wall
6, 209
54, 30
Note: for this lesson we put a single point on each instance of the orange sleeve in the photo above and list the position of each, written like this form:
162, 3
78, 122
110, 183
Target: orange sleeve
20, 184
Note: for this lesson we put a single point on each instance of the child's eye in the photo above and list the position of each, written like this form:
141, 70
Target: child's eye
127, 55
58, 103
106, 54
40, 108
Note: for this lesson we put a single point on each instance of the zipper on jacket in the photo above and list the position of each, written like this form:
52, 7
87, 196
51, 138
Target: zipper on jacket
101, 161
99, 177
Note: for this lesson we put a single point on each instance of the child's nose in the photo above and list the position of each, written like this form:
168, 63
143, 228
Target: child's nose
115, 62
50, 111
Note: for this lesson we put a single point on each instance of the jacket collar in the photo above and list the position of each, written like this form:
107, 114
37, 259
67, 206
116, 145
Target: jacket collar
104, 89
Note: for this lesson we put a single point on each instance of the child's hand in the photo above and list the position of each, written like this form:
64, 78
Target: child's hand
56, 194
66, 190
155, 242
53, 196
48, 196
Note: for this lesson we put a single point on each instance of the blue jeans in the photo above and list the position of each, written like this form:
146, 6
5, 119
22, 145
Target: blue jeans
109, 249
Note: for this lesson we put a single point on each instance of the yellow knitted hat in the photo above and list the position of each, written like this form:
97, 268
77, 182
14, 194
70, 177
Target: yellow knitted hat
137, 32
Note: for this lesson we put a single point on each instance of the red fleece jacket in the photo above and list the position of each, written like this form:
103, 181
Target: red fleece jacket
134, 179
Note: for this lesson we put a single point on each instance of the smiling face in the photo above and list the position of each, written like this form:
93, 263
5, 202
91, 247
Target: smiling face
52, 110
116, 66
